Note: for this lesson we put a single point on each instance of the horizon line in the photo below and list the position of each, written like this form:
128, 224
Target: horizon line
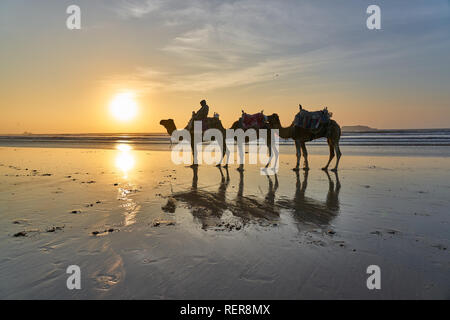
162, 132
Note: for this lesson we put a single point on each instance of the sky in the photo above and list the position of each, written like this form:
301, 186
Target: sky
237, 54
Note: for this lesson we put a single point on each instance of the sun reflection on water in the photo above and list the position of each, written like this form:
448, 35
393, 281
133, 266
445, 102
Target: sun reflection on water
125, 159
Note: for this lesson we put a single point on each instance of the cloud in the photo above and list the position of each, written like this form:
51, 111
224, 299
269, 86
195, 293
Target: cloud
137, 9
216, 43
303, 67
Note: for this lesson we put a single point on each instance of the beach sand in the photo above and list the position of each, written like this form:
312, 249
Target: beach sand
139, 226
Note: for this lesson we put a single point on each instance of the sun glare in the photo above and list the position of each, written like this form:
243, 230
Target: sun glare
123, 106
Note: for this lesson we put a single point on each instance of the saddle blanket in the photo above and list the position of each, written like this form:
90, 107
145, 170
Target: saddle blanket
206, 123
311, 120
256, 121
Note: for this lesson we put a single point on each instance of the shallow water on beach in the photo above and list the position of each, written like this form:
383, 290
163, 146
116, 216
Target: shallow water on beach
141, 227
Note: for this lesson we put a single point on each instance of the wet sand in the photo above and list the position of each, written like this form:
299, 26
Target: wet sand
140, 227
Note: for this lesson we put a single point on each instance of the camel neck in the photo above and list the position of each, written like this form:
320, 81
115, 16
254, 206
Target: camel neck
171, 129
284, 133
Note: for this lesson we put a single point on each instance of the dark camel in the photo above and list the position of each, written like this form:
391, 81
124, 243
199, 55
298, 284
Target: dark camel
330, 130
238, 125
213, 123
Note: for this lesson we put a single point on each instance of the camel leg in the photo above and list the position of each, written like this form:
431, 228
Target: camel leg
305, 156
220, 162
299, 154
338, 156
330, 144
226, 157
269, 147
276, 153
224, 152
241, 158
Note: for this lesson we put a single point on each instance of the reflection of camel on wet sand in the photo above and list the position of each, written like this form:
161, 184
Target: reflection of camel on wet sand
309, 211
250, 208
208, 207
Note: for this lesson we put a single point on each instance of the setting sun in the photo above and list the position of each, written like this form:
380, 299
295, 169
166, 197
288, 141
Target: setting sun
123, 106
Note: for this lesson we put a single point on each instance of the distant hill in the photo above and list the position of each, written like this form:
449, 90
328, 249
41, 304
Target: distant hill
357, 129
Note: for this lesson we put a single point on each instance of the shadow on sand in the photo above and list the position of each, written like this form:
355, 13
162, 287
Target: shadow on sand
216, 210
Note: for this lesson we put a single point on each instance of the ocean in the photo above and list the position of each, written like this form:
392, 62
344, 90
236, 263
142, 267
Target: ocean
413, 137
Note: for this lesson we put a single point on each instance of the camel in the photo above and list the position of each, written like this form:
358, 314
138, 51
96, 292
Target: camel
238, 125
330, 130
213, 123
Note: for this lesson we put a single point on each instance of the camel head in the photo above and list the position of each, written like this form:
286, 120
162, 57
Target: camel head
274, 121
169, 124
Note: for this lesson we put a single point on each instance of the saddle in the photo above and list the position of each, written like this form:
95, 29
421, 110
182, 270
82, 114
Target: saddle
206, 123
312, 120
255, 121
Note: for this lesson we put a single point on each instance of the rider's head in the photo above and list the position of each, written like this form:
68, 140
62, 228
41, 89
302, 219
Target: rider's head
203, 103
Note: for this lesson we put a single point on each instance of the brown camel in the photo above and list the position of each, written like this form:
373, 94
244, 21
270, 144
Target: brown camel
238, 125
330, 130
212, 123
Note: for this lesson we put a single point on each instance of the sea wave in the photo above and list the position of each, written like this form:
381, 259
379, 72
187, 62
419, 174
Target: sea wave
422, 137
